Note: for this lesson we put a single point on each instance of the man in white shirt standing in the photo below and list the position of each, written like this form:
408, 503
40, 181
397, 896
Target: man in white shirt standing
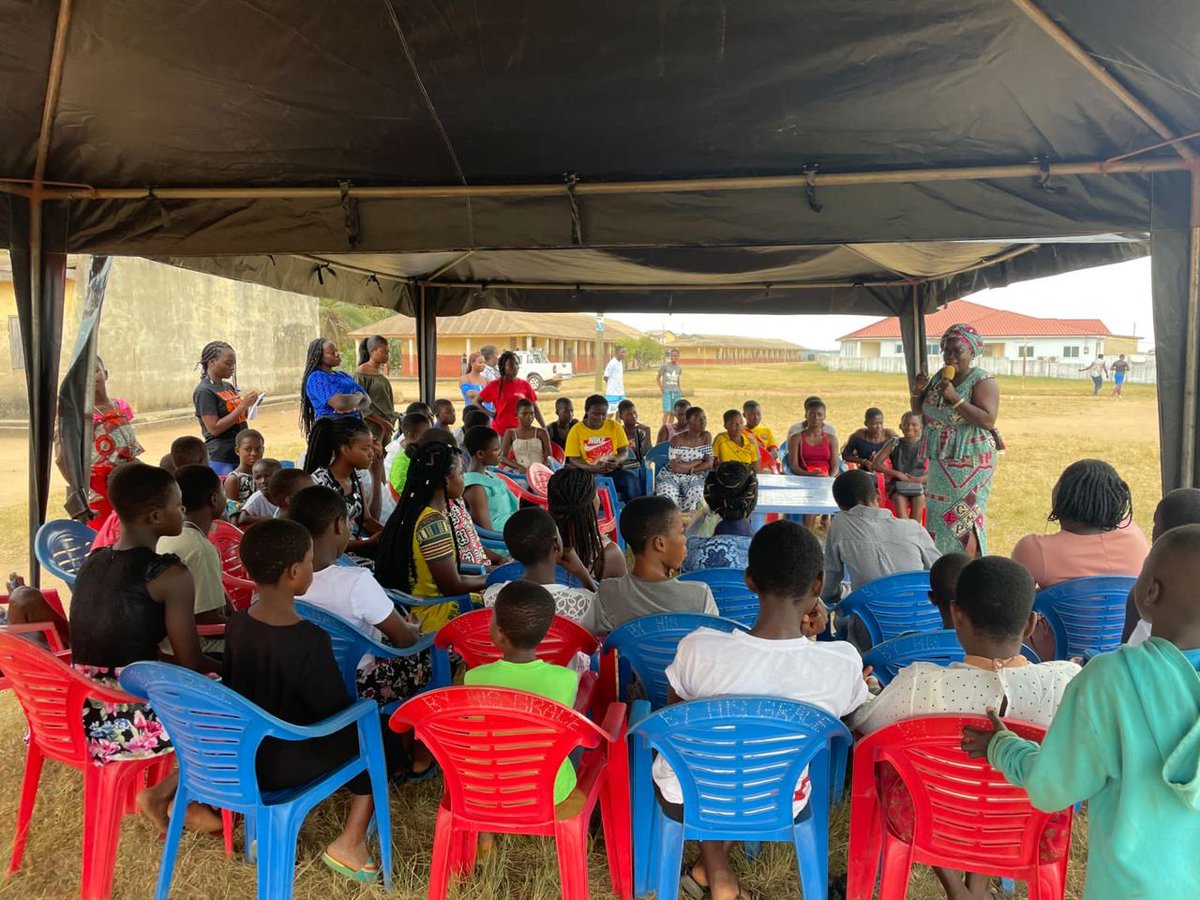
779, 657
614, 379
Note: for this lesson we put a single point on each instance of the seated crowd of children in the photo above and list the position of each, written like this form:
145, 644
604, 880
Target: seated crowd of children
386, 538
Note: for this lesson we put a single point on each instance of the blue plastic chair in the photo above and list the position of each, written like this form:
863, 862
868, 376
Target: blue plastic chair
738, 760
939, 647
659, 454
405, 602
349, 645
514, 571
1087, 614
646, 646
217, 733
492, 540
714, 577
61, 547
893, 606
740, 606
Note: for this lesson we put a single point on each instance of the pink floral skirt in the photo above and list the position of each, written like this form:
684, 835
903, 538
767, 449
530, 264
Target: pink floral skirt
120, 731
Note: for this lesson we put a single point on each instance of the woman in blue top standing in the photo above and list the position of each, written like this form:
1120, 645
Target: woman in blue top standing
325, 391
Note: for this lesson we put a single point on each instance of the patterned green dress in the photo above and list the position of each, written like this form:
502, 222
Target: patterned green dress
962, 461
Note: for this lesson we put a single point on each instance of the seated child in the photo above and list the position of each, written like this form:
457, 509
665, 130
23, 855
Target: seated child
752, 413
258, 506
126, 599
1126, 740
249, 446
284, 485
412, 429
203, 503
943, 583
351, 593
443, 415
486, 496
564, 421
188, 450
473, 417
527, 443
523, 613
901, 461
775, 659
654, 532
572, 502
533, 540
668, 431
735, 444
285, 665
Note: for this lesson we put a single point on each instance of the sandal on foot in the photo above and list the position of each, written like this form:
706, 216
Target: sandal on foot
368, 873
423, 775
690, 886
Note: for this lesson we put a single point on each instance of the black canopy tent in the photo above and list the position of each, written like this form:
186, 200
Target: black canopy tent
705, 156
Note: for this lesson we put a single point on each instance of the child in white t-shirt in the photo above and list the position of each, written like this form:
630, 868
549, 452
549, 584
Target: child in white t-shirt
775, 659
533, 540
352, 593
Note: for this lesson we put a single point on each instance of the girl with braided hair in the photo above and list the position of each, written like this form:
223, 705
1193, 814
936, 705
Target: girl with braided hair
1093, 507
417, 552
504, 393
572, 502
339, 450
731, 491
325, 391
220, 409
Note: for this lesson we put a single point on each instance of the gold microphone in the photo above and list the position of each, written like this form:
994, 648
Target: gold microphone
948, 373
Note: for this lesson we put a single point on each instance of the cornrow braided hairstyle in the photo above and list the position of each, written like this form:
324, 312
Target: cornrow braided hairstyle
1091, 493
571, 498
312, 362
432, 463
208, 354
327, 437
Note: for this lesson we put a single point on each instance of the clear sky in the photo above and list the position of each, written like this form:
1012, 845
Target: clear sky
1117, 294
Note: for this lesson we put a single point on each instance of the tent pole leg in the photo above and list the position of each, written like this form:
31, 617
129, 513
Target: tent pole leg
1187, 457
426, 347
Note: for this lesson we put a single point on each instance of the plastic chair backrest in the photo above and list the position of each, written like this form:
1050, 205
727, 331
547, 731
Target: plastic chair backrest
647, 645
659, 454
557, 452
538, 477
227, 538
515, 488
714, 577
964, 811
740, 606
893, 605
499, 750
515, 571
61, 547
1086, 614
940, 647
349, 644
738, 760
52, 694
217, 731
468, 635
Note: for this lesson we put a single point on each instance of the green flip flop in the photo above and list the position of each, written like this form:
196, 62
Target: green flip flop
368, 873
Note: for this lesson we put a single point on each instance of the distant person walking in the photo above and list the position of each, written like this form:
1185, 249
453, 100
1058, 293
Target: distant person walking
1120, 370
371, 376
614, 379
491, 368
1099, 371
669, 385
220, 409
326, 392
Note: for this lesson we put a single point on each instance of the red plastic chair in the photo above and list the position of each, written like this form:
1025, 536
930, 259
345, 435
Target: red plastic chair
557, 452
499, 751
519, 492
238, 586
947, 810
51, 695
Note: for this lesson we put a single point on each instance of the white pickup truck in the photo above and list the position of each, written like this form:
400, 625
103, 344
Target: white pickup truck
538, 370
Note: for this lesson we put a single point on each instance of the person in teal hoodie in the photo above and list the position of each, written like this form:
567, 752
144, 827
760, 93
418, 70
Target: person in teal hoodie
1126, 738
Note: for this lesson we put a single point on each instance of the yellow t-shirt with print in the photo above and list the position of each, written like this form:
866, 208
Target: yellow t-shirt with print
725, 450
765, 436
591, 444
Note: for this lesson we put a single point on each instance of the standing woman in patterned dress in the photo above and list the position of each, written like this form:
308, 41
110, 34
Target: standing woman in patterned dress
960, 416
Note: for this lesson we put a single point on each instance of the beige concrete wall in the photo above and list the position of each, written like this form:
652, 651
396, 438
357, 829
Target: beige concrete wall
158, 317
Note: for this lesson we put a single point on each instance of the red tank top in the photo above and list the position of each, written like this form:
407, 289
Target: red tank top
819, 457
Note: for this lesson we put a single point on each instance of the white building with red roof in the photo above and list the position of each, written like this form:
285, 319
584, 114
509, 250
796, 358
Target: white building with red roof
1006, 335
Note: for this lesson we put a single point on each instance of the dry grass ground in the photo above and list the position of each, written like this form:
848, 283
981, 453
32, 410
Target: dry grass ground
1046, 424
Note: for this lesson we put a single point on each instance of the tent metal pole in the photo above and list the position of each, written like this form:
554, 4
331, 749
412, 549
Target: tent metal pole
426, 328
599, 188
920, 364
644, 288
1187, 457
1060, 36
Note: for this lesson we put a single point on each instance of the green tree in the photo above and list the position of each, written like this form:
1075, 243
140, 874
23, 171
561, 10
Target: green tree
646, 352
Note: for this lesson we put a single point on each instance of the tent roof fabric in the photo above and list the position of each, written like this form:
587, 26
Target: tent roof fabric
493, 323
991, 323
484, 95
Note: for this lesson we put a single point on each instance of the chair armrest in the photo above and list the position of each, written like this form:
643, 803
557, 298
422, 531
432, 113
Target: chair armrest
641, 709
53, 639
424, 642
463, 600
471, 569
98, 691
488, 534
211, 630
349, 716
613, 725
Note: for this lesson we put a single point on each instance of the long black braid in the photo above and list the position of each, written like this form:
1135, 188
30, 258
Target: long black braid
209, 354
571, 496
432, 463
327, 437
312, 362
1091, 493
